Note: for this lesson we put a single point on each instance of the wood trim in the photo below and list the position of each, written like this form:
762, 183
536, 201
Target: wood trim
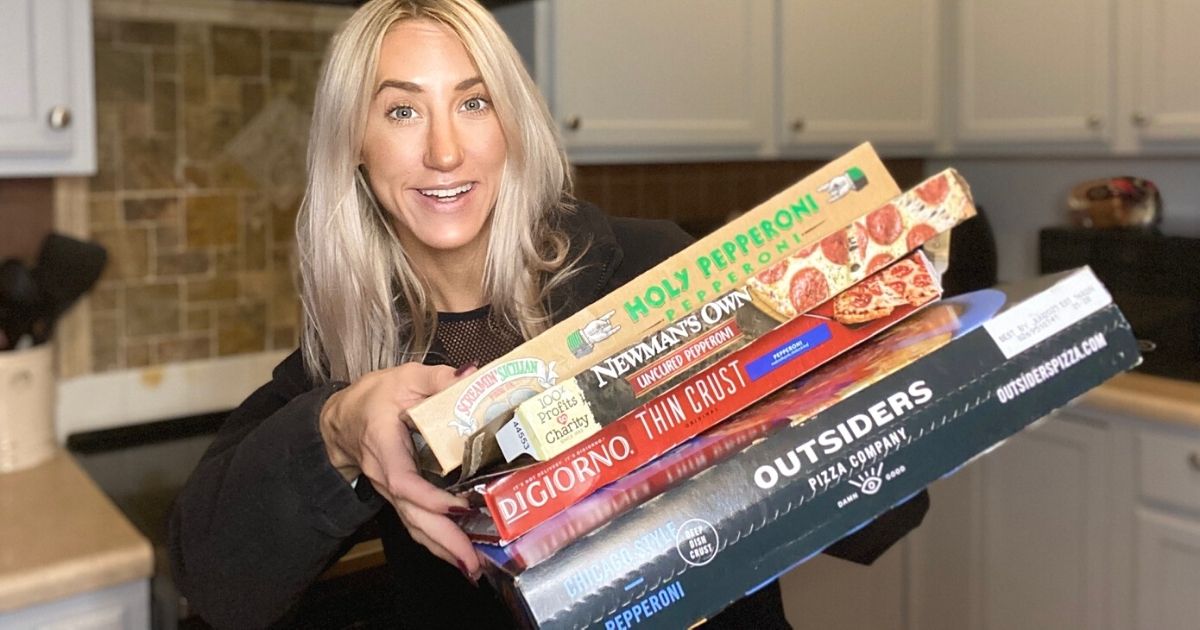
264, 13
73, 335
364, 555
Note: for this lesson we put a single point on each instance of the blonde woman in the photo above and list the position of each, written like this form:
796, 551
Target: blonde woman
436, 234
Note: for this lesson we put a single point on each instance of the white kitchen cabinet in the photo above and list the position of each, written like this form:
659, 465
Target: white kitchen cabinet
670, 74
664, 80
859, 70
1042, 525
47, 106
1168, 529
1166, 98
1168, 593
1034, 72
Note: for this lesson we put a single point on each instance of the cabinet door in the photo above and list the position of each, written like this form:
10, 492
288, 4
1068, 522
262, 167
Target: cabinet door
46, 109
1034, 71
1167, 101
859, 70
669, 75
1168, 572
1042, 528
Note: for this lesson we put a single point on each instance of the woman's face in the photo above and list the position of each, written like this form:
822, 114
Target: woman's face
433, 148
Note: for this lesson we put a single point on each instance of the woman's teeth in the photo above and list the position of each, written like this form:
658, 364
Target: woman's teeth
446, 193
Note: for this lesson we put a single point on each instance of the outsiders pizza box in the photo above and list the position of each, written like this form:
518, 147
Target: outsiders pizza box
806, 212
551, 422
520, 501
736, 525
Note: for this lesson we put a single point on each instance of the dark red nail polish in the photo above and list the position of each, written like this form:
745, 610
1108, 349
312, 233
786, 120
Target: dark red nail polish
462, 369
467, 574
455, 510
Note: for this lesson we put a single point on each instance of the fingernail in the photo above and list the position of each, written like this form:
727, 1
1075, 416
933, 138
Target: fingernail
467, 574
455, 510
466, 367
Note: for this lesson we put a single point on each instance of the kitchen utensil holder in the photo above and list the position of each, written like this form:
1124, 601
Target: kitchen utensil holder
27, 397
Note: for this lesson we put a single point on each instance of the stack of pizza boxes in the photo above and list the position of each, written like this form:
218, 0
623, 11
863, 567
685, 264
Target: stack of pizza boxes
773, 316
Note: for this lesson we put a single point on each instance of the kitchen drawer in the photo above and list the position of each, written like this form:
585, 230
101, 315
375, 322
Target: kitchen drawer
1169, 466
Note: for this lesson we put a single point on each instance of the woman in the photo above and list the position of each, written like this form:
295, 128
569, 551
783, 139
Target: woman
435, 235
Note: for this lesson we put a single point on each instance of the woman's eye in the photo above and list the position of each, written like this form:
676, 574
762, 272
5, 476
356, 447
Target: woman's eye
476, 104
402, 113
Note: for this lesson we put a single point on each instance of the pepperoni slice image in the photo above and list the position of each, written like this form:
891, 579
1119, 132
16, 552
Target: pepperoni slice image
884, 225
808, 289
772, 274
879, 261
899, 271
846, 245
919, 234
860, 299
934, 191
836, 247
806, 252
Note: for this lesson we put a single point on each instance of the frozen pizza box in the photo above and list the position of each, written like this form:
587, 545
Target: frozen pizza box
840, 447
575, 408
830, 198
522, 500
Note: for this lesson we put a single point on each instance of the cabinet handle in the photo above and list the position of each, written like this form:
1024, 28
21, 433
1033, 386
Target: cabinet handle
1139, 119
60, 117
798, 125
1194, 460
574, 123
1094, 122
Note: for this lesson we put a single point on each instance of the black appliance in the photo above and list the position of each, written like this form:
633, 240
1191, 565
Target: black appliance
1153, 278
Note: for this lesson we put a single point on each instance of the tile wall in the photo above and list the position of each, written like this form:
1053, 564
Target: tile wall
201, 140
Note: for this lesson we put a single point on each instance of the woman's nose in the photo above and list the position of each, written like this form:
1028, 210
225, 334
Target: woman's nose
444, 152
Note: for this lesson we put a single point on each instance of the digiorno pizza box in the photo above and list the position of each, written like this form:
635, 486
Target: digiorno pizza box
551, 422
841, 446
804, 213
522, 500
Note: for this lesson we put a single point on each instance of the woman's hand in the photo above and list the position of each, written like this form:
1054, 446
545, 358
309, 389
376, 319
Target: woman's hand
364, 431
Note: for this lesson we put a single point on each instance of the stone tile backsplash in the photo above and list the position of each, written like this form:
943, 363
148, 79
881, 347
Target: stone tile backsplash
202, 132
201, 135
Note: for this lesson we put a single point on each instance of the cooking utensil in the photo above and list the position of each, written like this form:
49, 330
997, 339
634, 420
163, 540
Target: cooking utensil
20, 302
66, 269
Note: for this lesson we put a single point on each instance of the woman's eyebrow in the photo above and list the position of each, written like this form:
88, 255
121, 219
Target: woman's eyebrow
468, 84
409, 86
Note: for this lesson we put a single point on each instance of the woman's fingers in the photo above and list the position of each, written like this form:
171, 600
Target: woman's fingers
439, 533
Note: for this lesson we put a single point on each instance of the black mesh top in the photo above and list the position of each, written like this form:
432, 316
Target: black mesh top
472, 336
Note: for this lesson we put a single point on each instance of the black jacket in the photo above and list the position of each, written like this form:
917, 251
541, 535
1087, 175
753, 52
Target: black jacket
265, 512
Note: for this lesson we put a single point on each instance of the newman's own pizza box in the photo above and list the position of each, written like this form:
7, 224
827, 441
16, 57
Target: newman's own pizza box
808, 211
564, 415
736, 525
522, 500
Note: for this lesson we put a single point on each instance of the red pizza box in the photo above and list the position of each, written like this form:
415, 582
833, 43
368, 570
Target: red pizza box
520, 501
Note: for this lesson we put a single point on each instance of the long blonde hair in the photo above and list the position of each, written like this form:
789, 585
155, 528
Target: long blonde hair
365, 308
